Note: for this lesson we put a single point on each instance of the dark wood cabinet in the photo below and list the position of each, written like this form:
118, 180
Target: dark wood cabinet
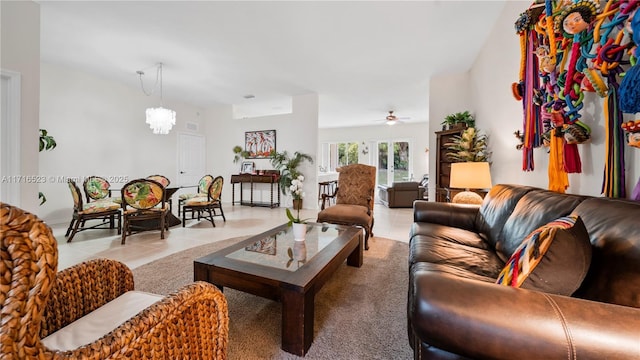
443, 164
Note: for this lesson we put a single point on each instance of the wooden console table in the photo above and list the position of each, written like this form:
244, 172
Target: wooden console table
268, 178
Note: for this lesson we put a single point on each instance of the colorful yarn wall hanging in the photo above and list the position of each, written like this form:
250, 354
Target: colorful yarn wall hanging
573, 47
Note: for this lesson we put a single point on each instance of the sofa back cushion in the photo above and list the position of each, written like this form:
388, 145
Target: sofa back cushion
405, 185
534, 209
614, 230
495, 210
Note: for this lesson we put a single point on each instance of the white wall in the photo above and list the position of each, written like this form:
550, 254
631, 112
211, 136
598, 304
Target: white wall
297, 131
499, 115
447, 95
99, 126
20, 52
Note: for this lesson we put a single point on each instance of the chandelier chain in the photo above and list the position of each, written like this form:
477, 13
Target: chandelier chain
155, 85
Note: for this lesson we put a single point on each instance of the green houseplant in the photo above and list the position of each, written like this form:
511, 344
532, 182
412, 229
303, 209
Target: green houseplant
470, 146
288, 167
46, 142
459, 118
239, 153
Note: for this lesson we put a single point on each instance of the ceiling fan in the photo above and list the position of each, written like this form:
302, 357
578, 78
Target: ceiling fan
392, 119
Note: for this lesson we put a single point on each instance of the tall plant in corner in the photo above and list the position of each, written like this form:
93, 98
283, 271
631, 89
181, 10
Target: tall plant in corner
470, 146
288, 167
47, 142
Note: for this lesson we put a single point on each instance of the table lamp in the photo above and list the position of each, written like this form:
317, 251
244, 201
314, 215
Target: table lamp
469, 175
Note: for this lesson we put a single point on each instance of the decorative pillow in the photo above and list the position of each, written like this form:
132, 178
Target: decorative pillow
554, 258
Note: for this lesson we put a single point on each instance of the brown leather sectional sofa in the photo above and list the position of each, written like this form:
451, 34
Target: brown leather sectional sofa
401, 194
456, 311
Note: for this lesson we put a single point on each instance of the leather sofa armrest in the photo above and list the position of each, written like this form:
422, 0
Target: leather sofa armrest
455, 215
484, 320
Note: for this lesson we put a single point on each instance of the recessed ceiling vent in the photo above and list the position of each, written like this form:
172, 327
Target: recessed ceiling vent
192, 126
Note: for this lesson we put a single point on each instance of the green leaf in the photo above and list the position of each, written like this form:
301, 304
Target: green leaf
47, 142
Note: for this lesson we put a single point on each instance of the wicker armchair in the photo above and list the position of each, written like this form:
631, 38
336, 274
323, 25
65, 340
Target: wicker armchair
354, 199
35, 302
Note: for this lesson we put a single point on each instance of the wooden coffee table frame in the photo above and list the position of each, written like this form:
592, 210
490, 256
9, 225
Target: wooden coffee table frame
296, 290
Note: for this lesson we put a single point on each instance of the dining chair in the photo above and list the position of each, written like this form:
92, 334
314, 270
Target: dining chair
91, 311
104, 210
98, 188
161, 179
203, 205
203, 186
354, 197
143, 200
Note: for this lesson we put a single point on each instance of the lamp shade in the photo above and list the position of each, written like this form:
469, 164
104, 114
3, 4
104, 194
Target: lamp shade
161, 120
470, 175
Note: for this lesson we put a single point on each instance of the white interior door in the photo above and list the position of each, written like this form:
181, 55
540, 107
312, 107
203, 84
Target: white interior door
10, 138
191, 159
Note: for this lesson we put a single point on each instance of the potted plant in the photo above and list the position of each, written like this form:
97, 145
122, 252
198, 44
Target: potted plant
299, 226
47, 142
288, 167
470, 146
459, 120
239, 153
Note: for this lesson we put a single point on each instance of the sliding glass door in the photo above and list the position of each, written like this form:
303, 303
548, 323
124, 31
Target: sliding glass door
393, 162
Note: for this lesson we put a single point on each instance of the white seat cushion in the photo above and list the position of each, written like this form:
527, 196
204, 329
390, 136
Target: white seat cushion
101, 321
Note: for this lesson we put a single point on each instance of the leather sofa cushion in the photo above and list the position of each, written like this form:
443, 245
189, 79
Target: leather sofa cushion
449, 233
101, 321
450, 269
534, 209
614, 275
554, 258
495, 210
406, 185
438, 249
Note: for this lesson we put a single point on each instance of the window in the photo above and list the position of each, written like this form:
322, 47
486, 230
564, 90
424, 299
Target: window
334, 155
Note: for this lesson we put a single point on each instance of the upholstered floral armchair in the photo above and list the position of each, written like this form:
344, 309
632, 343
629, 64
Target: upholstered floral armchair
38, 305
98, 188
103, 210
143, 200
205, 205
354, 199
203, 186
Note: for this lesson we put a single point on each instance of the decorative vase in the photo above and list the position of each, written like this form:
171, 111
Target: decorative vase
300, 251
299, 231
297, 204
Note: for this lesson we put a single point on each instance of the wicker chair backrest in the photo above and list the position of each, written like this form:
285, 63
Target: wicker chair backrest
28, 270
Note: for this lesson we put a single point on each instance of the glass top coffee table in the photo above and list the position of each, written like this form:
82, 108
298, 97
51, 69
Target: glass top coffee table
274, 266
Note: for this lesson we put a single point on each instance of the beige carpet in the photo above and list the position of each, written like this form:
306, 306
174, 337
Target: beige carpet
360, 312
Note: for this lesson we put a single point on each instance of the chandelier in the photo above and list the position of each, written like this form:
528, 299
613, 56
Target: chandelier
160, 119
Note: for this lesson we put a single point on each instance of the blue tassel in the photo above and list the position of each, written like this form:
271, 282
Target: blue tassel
629, 91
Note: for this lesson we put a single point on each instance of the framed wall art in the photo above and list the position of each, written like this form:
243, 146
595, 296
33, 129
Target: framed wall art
259, 144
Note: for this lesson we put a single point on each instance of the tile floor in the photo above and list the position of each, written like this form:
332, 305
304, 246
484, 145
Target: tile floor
241, 220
